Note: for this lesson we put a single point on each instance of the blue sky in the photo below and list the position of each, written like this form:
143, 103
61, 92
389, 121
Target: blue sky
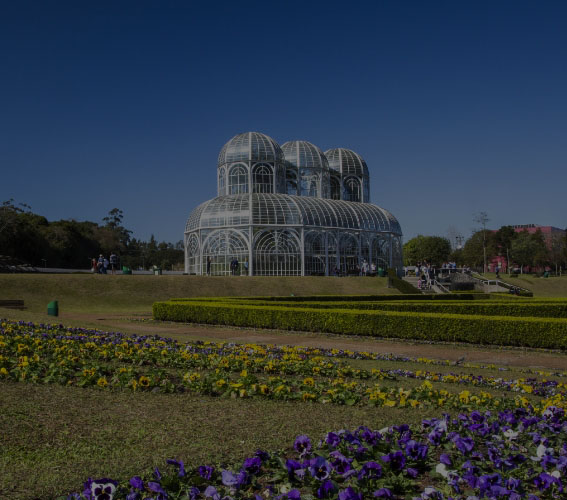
457, 107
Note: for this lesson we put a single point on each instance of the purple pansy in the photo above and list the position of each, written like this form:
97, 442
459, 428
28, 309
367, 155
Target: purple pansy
326, 489
302, 445
396, 459
179, 464
206, 471
383, 493
137, 482
320, 469
349, 494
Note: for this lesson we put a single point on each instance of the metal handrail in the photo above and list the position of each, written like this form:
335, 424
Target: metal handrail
436, 283
503, 284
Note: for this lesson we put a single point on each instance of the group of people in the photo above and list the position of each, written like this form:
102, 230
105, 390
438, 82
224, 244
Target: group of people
234, 266
423, 271
366, 269
101, 265
449, 265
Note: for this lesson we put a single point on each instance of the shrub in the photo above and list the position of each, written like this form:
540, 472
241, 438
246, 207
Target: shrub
476, 329
475, 308
401, 285
348, 298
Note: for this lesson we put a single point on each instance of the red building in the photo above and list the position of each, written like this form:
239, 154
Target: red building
548, 234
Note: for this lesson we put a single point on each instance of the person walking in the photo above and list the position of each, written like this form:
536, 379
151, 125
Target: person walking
113, 263
100, 264
208, 266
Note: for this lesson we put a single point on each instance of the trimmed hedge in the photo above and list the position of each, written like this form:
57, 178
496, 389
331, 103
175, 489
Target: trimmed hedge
496, 330
478, 308
347, 298
401, 285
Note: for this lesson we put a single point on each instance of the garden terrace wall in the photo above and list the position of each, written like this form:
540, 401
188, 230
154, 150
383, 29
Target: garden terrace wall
496, 330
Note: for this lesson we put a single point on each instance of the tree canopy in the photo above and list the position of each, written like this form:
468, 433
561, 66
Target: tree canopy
32, 239
432, 249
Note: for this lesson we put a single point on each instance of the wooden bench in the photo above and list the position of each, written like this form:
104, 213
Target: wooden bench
12, 304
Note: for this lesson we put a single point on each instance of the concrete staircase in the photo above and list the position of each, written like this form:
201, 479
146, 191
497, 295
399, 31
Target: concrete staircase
413, 280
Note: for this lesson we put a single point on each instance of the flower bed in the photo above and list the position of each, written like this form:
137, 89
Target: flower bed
74, 356
511, 454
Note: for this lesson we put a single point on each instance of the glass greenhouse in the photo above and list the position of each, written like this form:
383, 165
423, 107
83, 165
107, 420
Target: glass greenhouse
290, 211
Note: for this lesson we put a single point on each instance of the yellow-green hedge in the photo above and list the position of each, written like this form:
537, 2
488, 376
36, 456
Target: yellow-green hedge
496, 330
349, 298
477, 308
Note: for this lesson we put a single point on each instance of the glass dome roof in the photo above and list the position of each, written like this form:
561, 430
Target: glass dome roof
282, 209
303, 154
250, 146
347, 162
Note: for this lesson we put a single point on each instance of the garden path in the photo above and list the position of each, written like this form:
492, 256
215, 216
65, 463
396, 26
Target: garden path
143, 325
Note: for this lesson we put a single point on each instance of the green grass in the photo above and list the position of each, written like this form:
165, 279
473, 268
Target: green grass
137, 293
54, 437
541, 287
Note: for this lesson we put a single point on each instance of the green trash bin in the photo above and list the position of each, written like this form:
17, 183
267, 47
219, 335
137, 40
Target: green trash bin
381, 272
157, 271
53, 308
126, 270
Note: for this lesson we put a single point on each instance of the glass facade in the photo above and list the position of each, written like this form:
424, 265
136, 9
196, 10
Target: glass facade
290, 210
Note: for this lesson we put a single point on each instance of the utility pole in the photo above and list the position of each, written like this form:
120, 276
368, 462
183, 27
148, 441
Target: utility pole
482, 219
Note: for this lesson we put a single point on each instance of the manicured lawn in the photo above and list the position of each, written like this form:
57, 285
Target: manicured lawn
137, 293
54, 437
541, 287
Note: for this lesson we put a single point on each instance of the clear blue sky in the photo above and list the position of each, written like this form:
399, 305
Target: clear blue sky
457, 107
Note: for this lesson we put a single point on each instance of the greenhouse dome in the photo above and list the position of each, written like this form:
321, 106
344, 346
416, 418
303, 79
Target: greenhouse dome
350, 180
307, 169
274, 215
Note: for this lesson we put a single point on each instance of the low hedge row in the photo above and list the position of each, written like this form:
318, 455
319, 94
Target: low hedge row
477, 308
510, 331
402, 286
347, 298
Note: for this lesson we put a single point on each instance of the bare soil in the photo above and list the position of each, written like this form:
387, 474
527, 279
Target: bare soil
143, 325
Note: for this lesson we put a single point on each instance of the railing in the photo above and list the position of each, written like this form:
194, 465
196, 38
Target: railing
500, 283
434, 282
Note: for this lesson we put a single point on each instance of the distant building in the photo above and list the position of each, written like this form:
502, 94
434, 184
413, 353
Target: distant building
547, 231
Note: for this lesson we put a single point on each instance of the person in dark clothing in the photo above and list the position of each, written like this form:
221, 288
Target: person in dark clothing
113, 263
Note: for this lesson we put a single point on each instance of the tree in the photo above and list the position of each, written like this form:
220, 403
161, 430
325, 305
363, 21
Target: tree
541, 254
9, 213
457, 257
478, 248
557, 249
114, 236
502, 240
432, 249
528, 249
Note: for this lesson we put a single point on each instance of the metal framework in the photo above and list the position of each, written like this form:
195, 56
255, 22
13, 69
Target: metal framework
289, 211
